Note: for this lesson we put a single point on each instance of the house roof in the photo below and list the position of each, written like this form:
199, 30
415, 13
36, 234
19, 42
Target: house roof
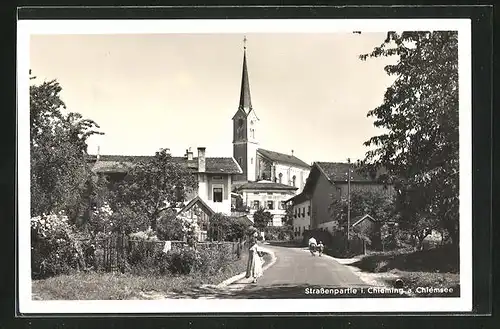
266, 185
194, 201
299, 198
283, 158
120, 163
358, 219
337, 172
243, 219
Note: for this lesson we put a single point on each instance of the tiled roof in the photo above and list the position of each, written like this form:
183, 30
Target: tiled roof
266, 185
283, 158
337, 172
213, 165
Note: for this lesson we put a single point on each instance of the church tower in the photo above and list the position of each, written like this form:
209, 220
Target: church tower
245, 132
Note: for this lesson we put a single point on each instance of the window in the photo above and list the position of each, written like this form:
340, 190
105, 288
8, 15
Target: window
251, 160
282, 205
295, 213
256, 204
240, 160
308, 210
263, 176
293, 180
270, 205
252, 133
217, 194
280, 177
217, 177
303, 211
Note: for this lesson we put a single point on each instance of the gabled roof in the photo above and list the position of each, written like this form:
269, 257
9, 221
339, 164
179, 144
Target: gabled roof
121, 163
359, 219
283, 158
266, 185
199, 201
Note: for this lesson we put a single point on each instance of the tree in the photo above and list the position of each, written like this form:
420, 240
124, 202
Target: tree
262, 218
420, 114
154, 185
377, 204
59, 169
288, 218
219, 227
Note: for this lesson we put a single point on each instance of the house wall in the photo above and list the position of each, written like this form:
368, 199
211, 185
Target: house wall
367, 226
388, 190
320, 203
271, 171
278, 197
301, 218
205, 190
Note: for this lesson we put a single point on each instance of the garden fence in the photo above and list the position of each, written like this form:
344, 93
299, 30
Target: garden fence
119, 250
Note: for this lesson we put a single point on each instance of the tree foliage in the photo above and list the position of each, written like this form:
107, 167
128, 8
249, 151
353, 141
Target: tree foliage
59, 168
420, 114
377, 204
262, 218
154, 185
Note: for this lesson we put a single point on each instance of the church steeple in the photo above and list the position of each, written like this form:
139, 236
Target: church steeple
245, 100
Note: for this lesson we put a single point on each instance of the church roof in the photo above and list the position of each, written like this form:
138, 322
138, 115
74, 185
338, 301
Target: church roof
266, 185
120, 163
283, 158
245, 99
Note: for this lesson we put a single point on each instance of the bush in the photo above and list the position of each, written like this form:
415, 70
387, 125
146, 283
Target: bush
278, 233
54, 248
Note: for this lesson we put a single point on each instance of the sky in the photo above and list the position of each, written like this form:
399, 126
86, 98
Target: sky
311, 92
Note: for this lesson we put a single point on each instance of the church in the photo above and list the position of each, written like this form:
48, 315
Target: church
259, 164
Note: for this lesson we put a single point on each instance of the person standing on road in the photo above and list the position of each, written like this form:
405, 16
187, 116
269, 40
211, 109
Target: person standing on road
254, 265
312, 245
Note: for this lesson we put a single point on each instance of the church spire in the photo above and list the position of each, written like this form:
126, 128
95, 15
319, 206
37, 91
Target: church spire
245, 101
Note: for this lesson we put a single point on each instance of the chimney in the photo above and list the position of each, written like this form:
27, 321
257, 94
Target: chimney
98, 152
201, 159
189, 154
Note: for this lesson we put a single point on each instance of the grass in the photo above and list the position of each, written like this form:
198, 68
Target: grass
434, 268
118, 286
442, 259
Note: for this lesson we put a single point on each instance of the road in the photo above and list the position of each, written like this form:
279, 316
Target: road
294, 271
295, 274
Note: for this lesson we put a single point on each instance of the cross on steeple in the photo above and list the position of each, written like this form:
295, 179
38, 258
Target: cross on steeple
245, 42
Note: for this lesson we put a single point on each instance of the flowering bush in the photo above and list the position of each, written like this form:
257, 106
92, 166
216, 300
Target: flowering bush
190, 229
102, 219
54, 248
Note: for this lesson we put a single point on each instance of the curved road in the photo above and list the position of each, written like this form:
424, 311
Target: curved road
294, 271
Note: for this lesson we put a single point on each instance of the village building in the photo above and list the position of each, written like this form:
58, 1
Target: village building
301, 212
329, 180
268, 195
215, 175
258, 163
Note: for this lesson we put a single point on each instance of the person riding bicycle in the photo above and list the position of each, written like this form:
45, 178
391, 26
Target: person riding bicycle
321, 247
312, 245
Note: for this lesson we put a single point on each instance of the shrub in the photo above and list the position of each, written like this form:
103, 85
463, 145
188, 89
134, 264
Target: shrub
54, 248
279, 233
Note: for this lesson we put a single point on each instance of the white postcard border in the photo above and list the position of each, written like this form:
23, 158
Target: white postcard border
26, 28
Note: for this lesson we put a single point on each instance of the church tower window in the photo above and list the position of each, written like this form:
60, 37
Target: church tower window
280, 177
293, 180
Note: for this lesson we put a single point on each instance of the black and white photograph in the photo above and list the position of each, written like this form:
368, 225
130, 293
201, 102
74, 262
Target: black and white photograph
175, 166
